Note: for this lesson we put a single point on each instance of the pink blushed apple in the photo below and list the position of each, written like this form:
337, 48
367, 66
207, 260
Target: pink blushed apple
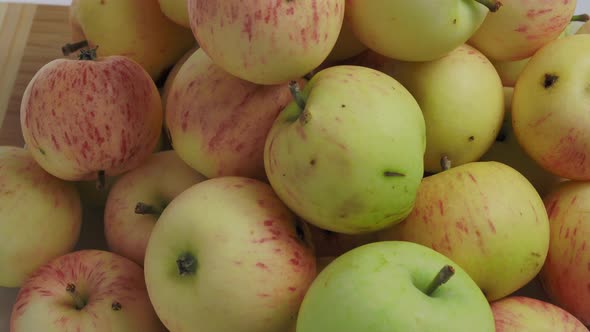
86, 291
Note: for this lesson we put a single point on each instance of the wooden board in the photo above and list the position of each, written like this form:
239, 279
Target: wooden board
36, 38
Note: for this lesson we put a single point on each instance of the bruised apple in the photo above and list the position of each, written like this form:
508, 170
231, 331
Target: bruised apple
91, 118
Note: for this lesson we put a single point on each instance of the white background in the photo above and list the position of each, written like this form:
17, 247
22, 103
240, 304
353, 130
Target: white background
7, 296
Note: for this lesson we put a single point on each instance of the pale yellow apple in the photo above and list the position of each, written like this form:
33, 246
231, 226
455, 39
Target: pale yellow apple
134, 28
509, 71
176, 10
347, 45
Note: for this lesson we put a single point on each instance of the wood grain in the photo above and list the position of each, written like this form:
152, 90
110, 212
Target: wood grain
48, 32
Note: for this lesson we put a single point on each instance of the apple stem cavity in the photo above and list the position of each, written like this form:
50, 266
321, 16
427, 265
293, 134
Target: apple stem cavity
187, 264
101, 182
143, 208
68, 49
493, 5
79, 302
296, 92
581, 18
440, 279
445, 163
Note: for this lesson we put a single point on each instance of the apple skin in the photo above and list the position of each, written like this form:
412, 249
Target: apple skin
417, 30
156, 182
380, 287
217, 122
507, 150
360, 138
462, 119
479, 214
584, 29
101, 278
79, 117
176, 10
267, 42
520, 28
254, 259
566, 271
509, 71
525, 314
172, 76
347, 45
41, 216
550, 111
134, 28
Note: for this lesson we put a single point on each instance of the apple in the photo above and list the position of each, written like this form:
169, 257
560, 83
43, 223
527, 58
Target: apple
521, 28
218, 122
507, 150
462, 118
584, 29
347, 154
525, 314
550, 108
176, 10
267, 42
509, 71
485, 216
566, 273
91, 118
172, 76
394, 286
227, 255
133, 28
347, 45
417, 30
138, 198
86, 290
41, 216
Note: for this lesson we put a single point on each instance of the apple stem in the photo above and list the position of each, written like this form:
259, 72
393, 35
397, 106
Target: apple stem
143, 208
581, 18
116, 306
493, 5
296, 92
187, 264
101, 182
68, 49
445, 163
441, 278
89, 54
78, 301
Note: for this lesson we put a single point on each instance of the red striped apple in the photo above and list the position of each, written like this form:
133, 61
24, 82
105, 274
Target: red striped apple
566, 273
86, 291
41, 216
138, 198
91, 118
217, 122
525, 314
267, 41
227, 255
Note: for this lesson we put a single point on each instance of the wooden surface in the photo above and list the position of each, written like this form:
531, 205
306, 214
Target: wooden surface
33, 36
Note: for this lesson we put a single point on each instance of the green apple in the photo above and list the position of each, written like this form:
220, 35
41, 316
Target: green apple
507, 150
485, 216
550, 107
218, 122
138, 197
347, 45
176, 10
462, 118
227, 255
85, 291
267, 41
525, 314
347, 154
394, 286
566, 271
521, 28
417, 30
41, 216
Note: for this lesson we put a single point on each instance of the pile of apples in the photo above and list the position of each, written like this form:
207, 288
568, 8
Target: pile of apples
308, 166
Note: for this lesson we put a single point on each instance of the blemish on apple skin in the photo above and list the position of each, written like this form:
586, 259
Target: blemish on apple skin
292, 289
441, 208
492, 226
263, 295
262, 266
553, 209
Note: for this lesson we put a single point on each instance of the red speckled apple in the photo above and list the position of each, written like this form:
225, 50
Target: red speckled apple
86, 291
93, 117
41, 216
267, 41
525, 314
566, 272
217, 122
227, 255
